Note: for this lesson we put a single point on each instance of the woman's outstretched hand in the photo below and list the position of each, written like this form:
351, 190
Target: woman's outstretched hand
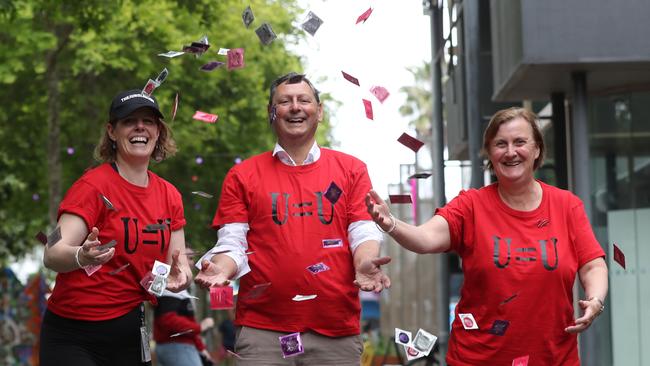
379, 211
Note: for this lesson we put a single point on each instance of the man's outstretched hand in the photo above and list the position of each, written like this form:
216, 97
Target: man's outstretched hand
369, 277
210, 275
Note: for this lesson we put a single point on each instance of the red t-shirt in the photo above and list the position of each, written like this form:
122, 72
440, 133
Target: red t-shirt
293, 225
103, 295
174, 322
171, 323
519, 267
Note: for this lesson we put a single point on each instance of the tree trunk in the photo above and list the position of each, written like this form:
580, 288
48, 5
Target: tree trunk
62, 33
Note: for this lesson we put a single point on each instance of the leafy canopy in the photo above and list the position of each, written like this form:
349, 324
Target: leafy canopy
93, 49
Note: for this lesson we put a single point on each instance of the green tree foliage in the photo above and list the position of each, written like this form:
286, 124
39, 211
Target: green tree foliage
61, 62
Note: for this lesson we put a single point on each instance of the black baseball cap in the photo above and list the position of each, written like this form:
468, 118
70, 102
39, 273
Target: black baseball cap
128, 101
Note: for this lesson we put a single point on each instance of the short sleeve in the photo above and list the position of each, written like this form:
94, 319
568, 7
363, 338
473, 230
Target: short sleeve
83, 200
178, 212
232, 205
359, 185
584, 241
459, 215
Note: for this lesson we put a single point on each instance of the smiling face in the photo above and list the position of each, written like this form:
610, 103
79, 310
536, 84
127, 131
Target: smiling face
513, 151
297, 114
135, 136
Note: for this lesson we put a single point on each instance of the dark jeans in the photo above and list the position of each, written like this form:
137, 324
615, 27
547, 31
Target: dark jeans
110, 342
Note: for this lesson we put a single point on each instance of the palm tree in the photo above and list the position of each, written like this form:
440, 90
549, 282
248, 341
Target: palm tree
419, 106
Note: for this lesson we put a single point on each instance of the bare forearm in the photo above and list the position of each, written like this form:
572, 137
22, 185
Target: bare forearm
61, 258
410, 237
365, 251
593, 276
177, 249
430, 237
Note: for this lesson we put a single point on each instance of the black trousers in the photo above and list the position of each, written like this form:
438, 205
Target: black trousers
110, 342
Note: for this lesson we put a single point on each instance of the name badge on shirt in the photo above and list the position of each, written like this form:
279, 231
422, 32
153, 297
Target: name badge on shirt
332, 243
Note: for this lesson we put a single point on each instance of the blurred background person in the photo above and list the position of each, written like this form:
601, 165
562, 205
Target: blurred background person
227, 332
177, 333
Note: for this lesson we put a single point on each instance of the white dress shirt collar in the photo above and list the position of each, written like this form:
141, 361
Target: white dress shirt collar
312, 156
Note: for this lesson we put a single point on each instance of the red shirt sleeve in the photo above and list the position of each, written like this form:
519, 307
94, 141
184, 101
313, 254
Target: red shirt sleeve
459, 215
82, 200
178, 213
359, 185
582, 236
232, 202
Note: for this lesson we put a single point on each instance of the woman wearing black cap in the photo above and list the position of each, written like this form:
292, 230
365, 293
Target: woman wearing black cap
95, 314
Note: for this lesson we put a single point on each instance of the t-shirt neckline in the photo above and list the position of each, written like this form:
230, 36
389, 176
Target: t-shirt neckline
125, 183
518, 213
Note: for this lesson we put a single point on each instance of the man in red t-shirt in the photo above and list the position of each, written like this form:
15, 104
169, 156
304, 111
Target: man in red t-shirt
299, 213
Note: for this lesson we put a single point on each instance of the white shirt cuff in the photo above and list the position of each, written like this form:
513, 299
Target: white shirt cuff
232, 242
362, 231
241, 260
